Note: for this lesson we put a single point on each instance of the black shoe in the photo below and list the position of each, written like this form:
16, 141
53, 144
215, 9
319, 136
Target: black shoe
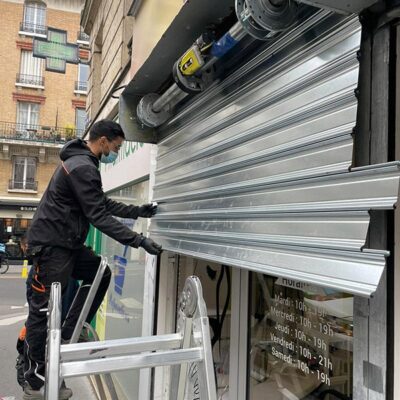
32, 394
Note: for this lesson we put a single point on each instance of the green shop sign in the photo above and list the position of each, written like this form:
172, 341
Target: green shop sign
128, 148
55, 50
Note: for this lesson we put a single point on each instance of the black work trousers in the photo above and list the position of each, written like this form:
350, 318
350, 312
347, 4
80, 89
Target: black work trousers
57, 264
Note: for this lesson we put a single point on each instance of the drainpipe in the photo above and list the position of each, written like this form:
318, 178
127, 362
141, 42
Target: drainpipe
261, 19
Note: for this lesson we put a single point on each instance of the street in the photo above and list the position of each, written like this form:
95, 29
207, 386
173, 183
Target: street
13, 311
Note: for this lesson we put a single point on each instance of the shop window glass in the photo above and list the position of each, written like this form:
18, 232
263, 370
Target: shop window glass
216, 284
11, 232
124, 304
301, 341
23, 223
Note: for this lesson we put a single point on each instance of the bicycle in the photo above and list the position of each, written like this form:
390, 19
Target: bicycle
4, 264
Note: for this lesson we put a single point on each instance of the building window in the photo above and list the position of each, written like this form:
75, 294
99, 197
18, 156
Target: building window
27, 119
24, 173
81, 85
80, 121
134, 7
34, 18
31, 70
301, 340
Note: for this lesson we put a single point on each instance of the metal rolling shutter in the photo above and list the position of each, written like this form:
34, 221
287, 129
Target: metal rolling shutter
255, 172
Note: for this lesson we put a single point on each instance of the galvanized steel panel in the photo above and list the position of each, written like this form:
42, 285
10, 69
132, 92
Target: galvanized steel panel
314, 161
331, 125
365, 188
351, 272
339, 230
256, 172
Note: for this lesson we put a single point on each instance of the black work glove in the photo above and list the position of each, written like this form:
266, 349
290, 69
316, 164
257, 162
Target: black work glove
147, 210
150, 246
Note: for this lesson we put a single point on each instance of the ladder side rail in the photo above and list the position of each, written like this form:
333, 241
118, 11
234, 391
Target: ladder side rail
122, 363
81, 289
115, 347
196, 379
52, 382
208, 387
89, 300
201, 379
182, 370
178, 373
201, 336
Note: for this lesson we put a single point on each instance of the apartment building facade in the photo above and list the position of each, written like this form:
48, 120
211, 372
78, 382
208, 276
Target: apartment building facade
40, 109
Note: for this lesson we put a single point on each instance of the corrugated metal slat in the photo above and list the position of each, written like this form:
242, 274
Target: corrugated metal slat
256, 172
340, 230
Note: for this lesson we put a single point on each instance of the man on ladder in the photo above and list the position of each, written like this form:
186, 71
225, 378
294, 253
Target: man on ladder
74, 199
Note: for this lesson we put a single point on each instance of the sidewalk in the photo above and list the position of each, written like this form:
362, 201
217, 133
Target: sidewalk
82, 388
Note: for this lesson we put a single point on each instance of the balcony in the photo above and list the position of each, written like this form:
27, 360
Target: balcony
36, 133
28, 185
30, 80
81, 87
83, 37
31, 28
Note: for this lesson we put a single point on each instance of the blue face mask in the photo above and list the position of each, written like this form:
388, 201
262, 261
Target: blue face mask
112, 156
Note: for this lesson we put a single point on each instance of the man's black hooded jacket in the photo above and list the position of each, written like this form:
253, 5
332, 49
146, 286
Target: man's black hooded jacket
73, 199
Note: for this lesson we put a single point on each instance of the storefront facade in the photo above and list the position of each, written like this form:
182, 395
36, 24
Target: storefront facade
259, 174
273, 338
15, 220
275, 187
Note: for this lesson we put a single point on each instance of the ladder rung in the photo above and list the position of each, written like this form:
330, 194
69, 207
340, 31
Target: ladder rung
106, 348
114, 364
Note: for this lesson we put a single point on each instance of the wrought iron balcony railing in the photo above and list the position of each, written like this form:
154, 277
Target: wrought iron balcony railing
83, 37
22, 185
33, 28
36, 133
81, 86
30, 80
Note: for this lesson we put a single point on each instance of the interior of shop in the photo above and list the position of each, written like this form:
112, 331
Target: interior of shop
300, 340
300, 336
11, 232
216, 283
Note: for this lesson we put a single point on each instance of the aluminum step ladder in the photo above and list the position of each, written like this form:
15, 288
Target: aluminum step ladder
188, 351
91, 289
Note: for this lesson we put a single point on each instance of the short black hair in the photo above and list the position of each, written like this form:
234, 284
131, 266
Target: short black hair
107, 128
